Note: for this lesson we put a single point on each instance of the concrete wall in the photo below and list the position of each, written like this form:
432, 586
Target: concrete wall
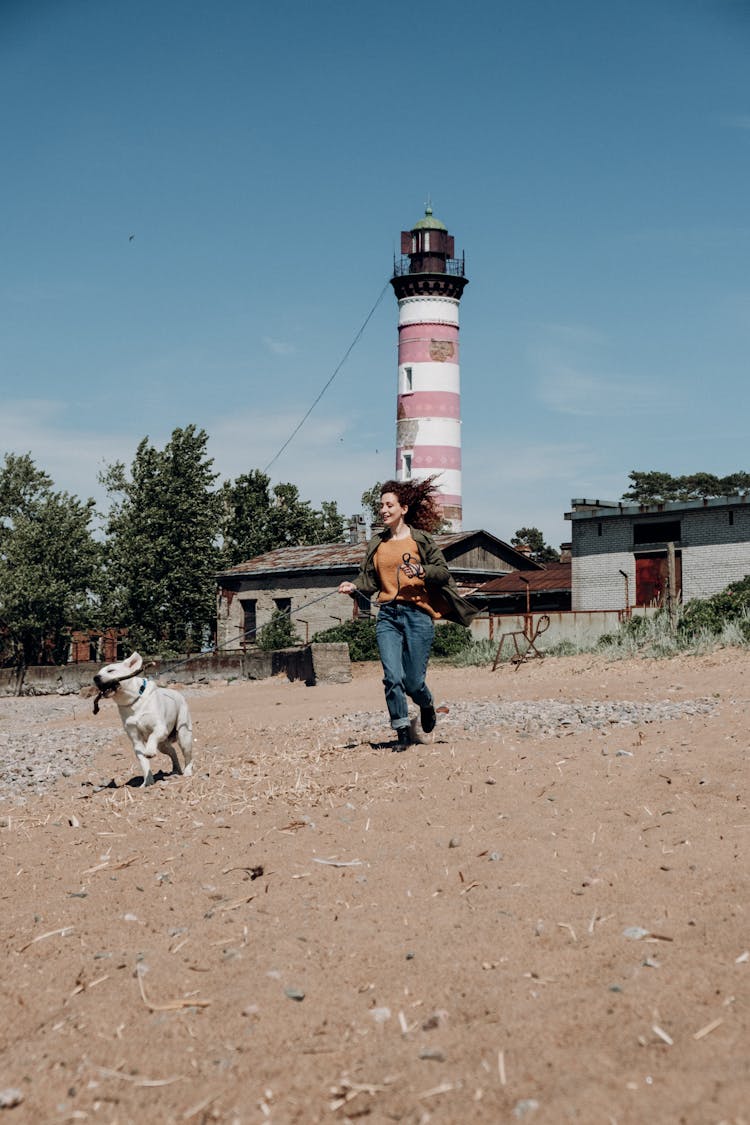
313, 664
580, 628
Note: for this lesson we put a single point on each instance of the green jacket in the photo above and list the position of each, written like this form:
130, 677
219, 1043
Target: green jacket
441, 586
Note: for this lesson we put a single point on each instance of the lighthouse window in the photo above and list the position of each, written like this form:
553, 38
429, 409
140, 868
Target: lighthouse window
408, 379
407, 466
427, 240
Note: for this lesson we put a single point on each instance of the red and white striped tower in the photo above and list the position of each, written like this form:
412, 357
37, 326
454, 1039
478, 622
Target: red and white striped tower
428, 281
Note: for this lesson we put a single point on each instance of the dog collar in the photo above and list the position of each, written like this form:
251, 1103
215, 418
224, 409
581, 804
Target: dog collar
143, 687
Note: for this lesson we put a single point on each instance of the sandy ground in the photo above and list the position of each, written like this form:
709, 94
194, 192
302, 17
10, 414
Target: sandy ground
497, 926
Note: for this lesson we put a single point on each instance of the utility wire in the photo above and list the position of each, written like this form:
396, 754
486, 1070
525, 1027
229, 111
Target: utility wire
346, 355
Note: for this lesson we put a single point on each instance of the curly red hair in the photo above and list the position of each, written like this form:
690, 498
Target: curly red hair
421, 497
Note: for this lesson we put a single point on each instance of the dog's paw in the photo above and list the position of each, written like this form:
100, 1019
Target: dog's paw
188, 771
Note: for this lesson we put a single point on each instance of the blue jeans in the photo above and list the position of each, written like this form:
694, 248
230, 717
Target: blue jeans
404, 635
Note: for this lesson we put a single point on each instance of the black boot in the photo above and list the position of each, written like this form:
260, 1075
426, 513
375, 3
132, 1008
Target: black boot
404, 739
427, 718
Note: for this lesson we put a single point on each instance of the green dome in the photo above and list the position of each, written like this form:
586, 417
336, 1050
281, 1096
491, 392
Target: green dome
429, 222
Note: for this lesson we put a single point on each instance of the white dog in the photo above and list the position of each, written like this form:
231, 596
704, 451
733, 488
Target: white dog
153, 717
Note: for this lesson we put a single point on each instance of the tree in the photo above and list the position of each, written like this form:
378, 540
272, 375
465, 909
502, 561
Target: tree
370, 501
533, 538
259, 519
655, 487
649, 487
246, 504
162, 547
50, 565
279, 632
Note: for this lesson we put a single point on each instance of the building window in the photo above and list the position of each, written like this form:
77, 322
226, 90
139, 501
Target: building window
657, 531
731, 519
427, 240
599, 528
283, 605
408, 376
249, 621
406, 458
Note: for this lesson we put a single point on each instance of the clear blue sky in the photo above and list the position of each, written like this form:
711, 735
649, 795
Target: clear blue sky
199, 204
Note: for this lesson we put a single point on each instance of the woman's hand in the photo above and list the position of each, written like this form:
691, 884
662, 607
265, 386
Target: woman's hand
348, 588
413, 569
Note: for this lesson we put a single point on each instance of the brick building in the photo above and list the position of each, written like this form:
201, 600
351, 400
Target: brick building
291, 578
624, 554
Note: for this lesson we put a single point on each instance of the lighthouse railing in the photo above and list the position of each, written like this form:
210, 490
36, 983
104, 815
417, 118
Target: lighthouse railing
456, 267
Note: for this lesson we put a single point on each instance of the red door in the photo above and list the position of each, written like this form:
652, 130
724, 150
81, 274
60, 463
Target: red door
651, 579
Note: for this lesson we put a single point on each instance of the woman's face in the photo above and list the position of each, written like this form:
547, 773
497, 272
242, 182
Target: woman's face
391, 510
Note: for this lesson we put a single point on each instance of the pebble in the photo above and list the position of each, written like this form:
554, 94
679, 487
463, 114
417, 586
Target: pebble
525, 1106
542, 718
432, 1053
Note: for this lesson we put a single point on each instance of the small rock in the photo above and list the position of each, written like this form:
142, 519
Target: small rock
294, 993
433, 1054
526, 1105
380, 1015
454, 842
10, 1097
635, 933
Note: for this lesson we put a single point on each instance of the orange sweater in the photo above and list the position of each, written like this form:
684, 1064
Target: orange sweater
394, 584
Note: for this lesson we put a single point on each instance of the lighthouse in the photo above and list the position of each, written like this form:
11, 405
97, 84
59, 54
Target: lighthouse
428, 281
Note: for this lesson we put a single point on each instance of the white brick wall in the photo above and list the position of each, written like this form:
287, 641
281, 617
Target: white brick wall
707, 570
598, 584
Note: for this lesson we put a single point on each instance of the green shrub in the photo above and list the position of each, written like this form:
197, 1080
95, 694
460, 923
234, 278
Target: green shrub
715, 613
450, 639
278, 633
358, 634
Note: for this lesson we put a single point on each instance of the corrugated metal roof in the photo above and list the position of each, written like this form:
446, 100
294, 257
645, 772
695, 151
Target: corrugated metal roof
327, 556
555, 576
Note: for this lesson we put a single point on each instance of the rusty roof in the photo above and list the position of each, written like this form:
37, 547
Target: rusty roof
335, 556
555, 576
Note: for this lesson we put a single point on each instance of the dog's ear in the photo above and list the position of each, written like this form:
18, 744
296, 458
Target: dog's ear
134, 662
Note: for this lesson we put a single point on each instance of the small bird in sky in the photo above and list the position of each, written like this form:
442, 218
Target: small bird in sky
130, 239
